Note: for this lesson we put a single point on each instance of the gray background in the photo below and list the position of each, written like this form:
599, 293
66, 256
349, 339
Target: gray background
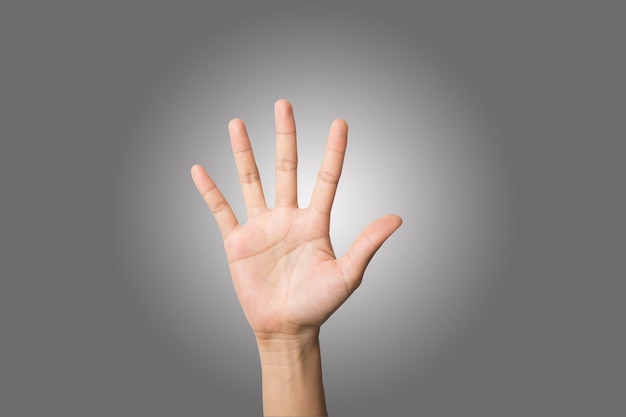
82, 87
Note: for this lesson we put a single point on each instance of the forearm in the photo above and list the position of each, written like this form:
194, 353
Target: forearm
292, 376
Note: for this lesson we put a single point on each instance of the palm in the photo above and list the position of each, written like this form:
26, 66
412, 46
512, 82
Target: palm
284, 271
282, 263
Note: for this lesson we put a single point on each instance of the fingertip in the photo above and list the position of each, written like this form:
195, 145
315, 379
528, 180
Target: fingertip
339, 124
235, 124
397, 219
282, 104
282, 111
338, 136
196, 170
199, 176
382, 228
392, 222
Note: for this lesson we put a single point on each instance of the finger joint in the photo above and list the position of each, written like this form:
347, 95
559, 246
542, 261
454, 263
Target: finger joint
250, 177
286, 165
219, 207
328, 177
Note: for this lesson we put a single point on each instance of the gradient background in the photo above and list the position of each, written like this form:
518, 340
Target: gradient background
495, 131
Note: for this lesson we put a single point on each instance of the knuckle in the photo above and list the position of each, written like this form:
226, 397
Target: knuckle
219, 207
243, 151
339, 152
250, 177
286, 165
328, 177
205, 194
368, 240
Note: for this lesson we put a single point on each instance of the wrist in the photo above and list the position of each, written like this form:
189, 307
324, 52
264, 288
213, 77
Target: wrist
283, 350
292, 374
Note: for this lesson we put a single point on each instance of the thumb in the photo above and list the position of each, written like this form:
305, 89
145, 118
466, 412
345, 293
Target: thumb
356, 259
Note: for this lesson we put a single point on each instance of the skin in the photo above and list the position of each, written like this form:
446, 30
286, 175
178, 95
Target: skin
285, 272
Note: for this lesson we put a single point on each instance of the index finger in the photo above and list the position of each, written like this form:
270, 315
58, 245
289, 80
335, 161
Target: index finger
247, 168
330, 171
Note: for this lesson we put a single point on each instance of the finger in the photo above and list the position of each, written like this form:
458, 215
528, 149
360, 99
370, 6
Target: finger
246, 167
222, 212
356, 259
330, 171
286, 156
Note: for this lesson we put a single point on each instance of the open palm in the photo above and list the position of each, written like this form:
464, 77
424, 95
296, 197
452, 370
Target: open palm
284, 269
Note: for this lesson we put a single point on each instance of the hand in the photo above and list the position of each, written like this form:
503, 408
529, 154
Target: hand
283, 266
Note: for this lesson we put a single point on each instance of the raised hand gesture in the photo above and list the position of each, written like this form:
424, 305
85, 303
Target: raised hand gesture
285, 272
